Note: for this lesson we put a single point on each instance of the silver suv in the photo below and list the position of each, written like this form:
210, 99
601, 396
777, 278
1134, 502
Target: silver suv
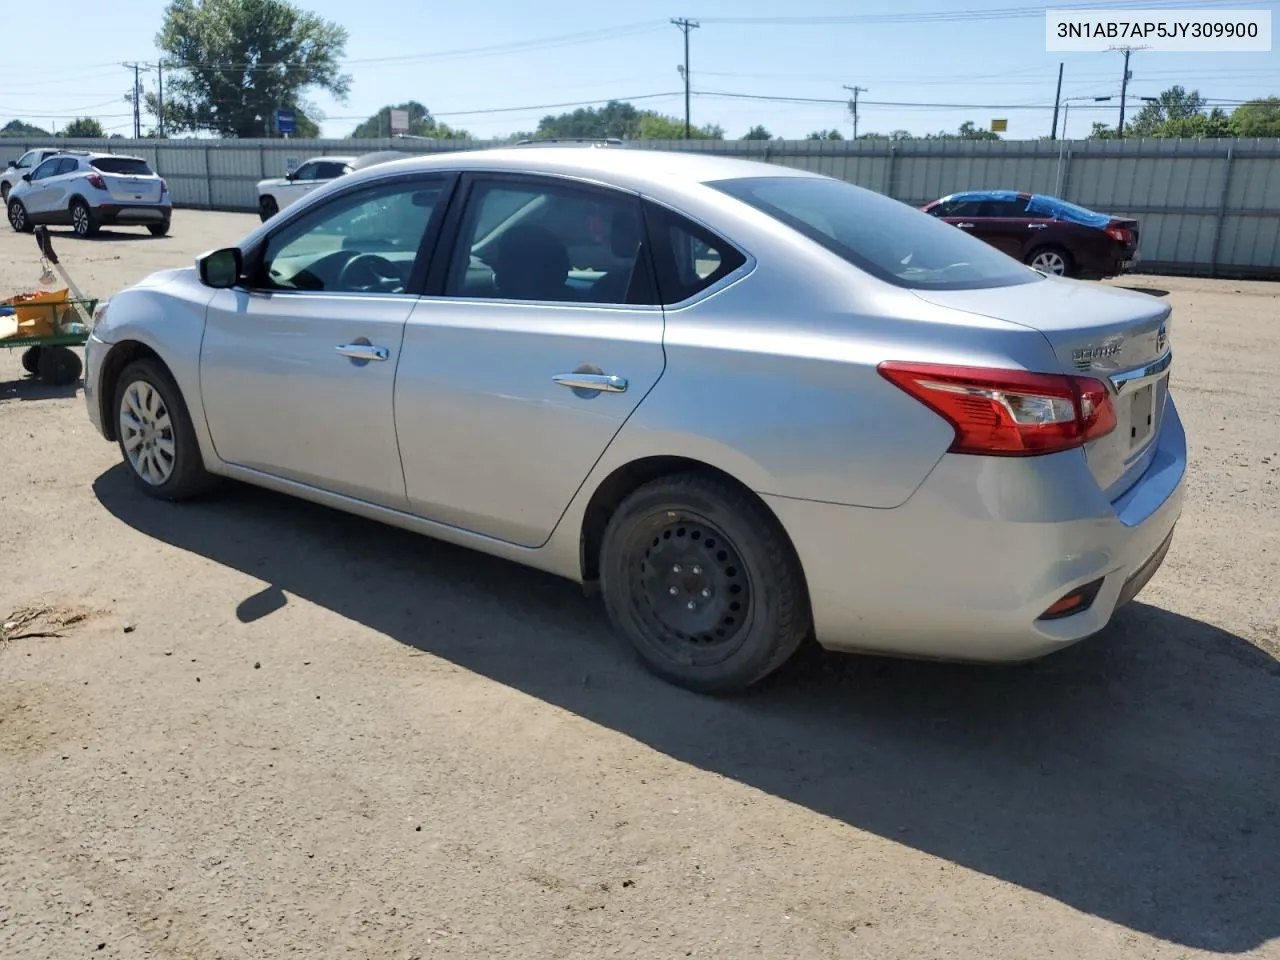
88, 191
11, 175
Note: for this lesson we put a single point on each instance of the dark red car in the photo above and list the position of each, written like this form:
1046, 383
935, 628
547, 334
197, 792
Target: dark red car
1052, 235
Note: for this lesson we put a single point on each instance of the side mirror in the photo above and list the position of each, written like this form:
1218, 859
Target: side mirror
26, 177
220, 269
290, 176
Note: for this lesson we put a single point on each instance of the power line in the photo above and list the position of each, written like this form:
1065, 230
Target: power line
955, 15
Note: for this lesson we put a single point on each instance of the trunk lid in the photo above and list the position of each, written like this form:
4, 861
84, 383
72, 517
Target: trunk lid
1116, 336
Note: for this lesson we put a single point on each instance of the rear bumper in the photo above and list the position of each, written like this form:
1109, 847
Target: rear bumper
965, 568
132, 215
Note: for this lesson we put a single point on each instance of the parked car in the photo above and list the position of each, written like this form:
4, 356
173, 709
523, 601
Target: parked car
747, 403
11, 176
1050, 234
89, 191
279, 192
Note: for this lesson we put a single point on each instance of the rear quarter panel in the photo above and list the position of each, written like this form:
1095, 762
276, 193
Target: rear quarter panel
774, 381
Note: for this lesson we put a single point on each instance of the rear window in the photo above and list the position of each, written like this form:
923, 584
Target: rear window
129, 166
885, 237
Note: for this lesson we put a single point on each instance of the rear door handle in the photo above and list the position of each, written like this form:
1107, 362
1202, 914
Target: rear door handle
1036, 226
363, 351
606, 383
964, 226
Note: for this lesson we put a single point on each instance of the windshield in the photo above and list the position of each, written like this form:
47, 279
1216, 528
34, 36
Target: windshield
885, 237
131, 166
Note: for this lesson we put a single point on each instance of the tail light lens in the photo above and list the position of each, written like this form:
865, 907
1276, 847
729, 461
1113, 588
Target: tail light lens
96, 181
1008, 413
1120, 234
164, 187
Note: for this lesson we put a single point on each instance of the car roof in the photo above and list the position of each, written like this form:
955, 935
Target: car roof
632, 168
326, 160
988, 195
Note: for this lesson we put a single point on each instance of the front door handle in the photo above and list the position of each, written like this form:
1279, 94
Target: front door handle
965, 226
363, 351
603, 382
1036, 226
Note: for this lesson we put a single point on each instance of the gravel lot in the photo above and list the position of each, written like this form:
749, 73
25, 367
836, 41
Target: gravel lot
257, 728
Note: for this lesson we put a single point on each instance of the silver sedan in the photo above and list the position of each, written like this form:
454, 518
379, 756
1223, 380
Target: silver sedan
748, 403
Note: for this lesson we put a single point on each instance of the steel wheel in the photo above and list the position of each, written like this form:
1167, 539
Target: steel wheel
18, 216
1051, 262
146, 433
80, 220
692, 592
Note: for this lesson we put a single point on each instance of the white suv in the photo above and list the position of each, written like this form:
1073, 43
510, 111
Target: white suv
90, 190
11, 175
277, 193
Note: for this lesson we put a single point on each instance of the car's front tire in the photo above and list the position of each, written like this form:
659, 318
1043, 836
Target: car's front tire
82, 220
158, 229
698, 575
18, 217
4, 193
267, 208
156, 436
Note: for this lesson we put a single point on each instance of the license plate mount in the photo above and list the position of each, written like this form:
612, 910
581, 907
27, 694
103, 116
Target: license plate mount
1141, 415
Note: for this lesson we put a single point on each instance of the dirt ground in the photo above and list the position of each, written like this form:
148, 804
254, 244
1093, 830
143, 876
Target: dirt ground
254, 728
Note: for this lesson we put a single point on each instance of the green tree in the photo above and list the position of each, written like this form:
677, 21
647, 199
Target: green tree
825, 135
1102, 131
85, 127
1257, 118
421, 124
618, 119
758, 132
233, 63
891, 135
18, 128
1173, 104
967, 131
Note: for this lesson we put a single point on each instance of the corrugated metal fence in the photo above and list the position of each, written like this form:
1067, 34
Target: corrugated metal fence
1206, 206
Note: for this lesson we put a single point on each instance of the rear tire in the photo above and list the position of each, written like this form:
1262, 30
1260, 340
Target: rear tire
1052, 260
158, 229
18, 218
267, 208
58, 366
155, 434
701, 579
31, 359
82, 220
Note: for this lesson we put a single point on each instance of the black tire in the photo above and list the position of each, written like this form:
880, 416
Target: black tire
1068, 264
158, 229
58, 366
739, 608
267, 208
82, 219
31, 359
4, 194
18, 218
187, 477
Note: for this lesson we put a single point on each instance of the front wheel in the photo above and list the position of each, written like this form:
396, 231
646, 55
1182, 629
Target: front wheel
701, 579
1051, 260
155, 434
267, 208
158, 229
18, 218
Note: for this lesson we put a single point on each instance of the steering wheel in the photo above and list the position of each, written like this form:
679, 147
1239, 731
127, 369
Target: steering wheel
368, 271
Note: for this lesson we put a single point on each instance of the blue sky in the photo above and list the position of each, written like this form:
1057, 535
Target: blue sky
398, 51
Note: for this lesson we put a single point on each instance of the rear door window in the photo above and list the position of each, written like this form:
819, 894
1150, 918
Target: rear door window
67, 165
128, 166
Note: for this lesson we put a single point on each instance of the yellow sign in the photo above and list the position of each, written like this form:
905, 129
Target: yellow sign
999, 126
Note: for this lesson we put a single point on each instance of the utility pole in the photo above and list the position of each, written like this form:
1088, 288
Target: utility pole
1124, 84
1057, 99
853, 106
137, 97
685, 26
160, 98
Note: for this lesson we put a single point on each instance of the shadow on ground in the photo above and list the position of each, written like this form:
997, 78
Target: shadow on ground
31, 388
1135, 777
1149, 291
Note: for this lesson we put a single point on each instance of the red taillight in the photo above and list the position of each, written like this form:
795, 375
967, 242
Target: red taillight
1120, 235
1008, 413
96, 181
164, 187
